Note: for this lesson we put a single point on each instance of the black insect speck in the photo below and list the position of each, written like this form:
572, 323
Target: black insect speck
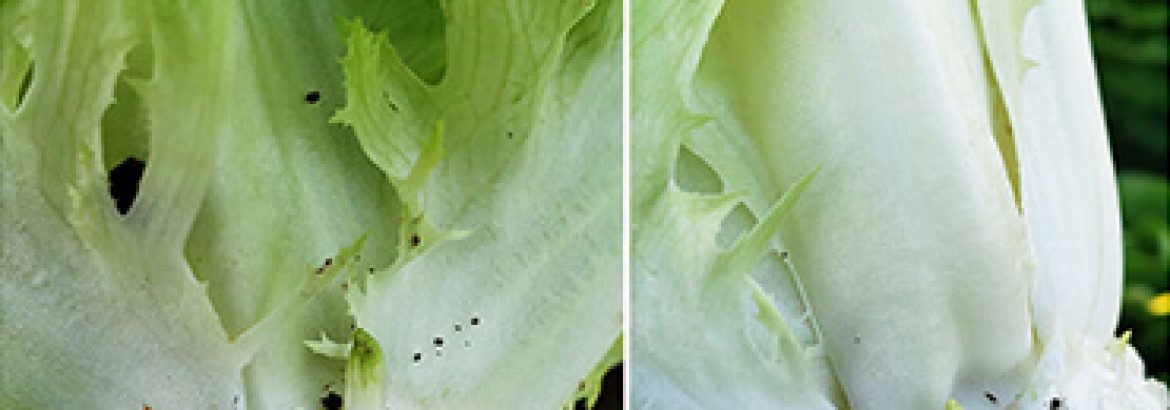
417, 357
438, 341
990, 397
312, 97
332, 401
1055, 403
475, 321
328, 261
415, 241
458, 327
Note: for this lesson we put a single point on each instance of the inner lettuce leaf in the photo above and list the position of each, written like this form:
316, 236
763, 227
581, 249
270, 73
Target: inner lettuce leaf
898, 206
466, 192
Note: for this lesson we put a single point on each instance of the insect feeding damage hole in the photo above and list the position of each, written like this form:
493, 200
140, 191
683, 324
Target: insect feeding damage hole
124, 179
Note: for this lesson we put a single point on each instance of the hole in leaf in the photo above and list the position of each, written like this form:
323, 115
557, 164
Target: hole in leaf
739, 221
694, 174
124, 179
25, 84
126, 124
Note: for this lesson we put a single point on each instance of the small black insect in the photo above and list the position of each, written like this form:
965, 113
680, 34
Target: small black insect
1055, 403
415, 241
328, 261
417, 357
458, 327
438, 341
332, 401
312, 97
475, 321
990, 397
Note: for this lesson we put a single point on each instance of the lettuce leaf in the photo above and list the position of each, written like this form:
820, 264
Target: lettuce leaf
471, 174
959, 242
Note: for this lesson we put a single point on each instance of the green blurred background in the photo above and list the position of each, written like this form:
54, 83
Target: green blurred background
1129, 42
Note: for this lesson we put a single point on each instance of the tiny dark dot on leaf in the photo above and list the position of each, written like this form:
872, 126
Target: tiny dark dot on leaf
417, 357
438, 341
475, 321
415, 241
332, 401
1055, 403
328, 261
312, 97
458, 327
990, 397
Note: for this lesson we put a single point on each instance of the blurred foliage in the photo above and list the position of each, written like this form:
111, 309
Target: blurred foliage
1147, 261
1129, 42
1130, 46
